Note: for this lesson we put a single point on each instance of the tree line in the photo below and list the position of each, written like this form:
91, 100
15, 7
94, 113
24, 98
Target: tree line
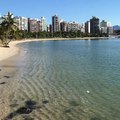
71, 34
9, 31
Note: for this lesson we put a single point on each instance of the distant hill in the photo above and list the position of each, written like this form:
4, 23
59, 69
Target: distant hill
116, 27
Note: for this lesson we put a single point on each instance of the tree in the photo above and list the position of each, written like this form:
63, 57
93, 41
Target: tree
8, 29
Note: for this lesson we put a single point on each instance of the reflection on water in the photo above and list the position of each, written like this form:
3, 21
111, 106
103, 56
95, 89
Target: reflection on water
68, 80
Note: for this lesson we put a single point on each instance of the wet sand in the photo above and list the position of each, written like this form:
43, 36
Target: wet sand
9, 59
8, 69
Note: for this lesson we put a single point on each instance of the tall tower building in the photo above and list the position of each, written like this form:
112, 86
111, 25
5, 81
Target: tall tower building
63, 26
82, 28
110, 30
103, 23
55, 23
33, 25
106, 27
103, 26
44, 24
50, 27
24, 23
87, 27
94, 25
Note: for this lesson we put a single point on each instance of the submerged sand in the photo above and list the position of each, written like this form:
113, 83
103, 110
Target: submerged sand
8, 69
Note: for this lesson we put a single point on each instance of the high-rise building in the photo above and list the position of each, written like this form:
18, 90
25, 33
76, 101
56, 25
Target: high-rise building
110, 30
44, 24
106, 27
50, 28
103, 23
55, 23
73, 26
63, 26
103, 26
39, 23
87, 27
21, 22
82, 28
94, 25
109, 24
33, 25
24, 23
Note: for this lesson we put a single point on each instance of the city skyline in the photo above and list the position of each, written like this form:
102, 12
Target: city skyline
77, 10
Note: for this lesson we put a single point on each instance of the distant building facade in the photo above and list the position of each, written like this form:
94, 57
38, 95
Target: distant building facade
44, 24
94, 25
50, 28
82, 28
33, 25
73, 26
55, 23
103, 23
106, 27
103, 30
110, 30
103, 26
63, 26
87, 27
22, 23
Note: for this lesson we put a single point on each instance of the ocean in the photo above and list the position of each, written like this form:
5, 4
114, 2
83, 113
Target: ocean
67, 80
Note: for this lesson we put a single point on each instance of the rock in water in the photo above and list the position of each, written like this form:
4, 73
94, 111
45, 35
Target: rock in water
45, 101
88, 91
24, 110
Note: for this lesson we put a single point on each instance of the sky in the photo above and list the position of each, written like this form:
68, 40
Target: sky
68, 10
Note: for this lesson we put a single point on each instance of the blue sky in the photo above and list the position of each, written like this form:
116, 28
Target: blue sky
68, 10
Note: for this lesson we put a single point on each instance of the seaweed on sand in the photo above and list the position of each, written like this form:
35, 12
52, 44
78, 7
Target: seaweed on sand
27, 109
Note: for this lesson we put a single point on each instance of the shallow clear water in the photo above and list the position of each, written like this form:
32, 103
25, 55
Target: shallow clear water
79, 79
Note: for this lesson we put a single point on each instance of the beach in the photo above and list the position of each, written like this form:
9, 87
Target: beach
8, 67
7, 71
13, 50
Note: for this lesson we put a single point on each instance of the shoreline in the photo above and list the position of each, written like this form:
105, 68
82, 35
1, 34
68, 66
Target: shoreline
14, 49
8, 58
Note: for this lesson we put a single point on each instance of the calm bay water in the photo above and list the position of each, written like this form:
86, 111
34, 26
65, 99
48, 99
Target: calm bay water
69, 80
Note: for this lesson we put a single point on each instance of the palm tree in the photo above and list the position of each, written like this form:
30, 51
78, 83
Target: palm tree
8, 29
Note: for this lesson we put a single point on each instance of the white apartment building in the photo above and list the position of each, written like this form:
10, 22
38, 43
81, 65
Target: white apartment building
73, 26
22, 23
44, 24
106, 27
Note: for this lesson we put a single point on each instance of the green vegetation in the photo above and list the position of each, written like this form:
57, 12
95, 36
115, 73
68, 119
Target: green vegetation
117, 32
8, 29
25, 34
